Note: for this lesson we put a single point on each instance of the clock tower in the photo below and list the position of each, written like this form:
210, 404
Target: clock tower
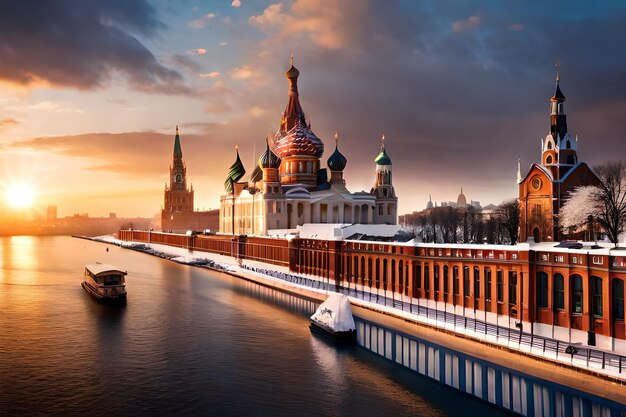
177, 197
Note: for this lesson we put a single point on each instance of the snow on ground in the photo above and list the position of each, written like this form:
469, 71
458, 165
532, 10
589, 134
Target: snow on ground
265, 271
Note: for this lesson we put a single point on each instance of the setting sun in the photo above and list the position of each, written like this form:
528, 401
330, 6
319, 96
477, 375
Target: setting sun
20, 196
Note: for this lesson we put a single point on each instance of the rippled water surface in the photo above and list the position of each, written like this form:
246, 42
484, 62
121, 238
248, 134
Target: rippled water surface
189, 342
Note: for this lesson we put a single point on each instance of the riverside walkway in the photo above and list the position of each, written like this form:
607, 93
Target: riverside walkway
594, 360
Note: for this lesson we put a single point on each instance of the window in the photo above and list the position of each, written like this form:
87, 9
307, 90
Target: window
476, 282
436, 272
488, 284
500, 285
542, 290
577, 294
455, 280
596, 288
380, 209
418, 276
618, 299
466, 281
549, 159
426, 279
512, 287
446, 285
559, 292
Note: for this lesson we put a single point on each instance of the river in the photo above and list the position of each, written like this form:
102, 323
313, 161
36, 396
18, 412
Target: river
189, 342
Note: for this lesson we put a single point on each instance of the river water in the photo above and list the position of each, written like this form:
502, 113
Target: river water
189, 342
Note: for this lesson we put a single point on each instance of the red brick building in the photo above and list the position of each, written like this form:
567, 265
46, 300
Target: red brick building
545, 187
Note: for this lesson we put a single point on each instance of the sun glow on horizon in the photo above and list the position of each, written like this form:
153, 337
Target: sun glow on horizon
20, 196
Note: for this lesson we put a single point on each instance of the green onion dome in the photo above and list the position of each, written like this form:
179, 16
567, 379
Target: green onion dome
382, 158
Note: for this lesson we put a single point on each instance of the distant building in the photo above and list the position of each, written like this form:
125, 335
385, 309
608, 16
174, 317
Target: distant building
51, 213
544, 188
288, 188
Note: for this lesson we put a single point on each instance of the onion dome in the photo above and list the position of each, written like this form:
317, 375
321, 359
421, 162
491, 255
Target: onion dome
337, 162
235, 173
299, 141
269, 159
382, 158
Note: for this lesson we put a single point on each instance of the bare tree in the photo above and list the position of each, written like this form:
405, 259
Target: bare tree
612, 216
508, 217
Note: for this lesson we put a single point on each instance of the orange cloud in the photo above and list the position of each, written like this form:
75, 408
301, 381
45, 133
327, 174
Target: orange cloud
316, 19
199, 51
8, 121
213, 74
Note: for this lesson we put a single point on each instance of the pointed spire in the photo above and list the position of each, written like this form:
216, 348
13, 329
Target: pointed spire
235, 173
178, 152
382, 142
382, 158
293, 112
519, 171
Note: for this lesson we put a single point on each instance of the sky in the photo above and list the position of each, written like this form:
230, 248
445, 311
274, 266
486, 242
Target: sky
91, 92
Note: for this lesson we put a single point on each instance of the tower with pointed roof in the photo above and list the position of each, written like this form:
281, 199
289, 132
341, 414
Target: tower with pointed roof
545, 187
295, 143
386, 209
178, 198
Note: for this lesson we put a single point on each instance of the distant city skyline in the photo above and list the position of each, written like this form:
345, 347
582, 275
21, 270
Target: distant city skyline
89, 106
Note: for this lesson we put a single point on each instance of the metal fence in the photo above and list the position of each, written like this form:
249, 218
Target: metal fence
576, 354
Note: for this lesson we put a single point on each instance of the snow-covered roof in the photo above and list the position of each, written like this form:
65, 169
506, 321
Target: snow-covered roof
98, 268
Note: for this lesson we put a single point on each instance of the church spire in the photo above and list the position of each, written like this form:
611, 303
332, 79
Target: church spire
178, 152
558, 120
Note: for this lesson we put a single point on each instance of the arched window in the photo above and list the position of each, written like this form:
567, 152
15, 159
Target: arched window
355, 275
559, 292
487, 283
401, 275
377, 273
576, 291
446, 284
369, 271
393, 275
571, 160
512, 287
596, 291
618, 299
426, 279
385, 273
568, 145
455, 280
542, 290
549, 144
436, 280
549, 159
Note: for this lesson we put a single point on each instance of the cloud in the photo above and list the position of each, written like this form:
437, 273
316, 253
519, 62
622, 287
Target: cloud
54, 107
471, 22
185, 63
8, 121
236, 3
199, 51
242, 73
201, 22
315, 20
223, 43
83, 45
518, 27
213, 74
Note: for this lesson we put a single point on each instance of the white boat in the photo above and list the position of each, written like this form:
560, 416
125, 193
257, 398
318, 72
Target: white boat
333, 318
105, 282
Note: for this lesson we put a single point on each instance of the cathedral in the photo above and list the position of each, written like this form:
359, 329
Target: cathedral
545, 187
288, 187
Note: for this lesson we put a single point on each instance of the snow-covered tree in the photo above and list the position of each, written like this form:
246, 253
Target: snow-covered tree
581, 205
604, 204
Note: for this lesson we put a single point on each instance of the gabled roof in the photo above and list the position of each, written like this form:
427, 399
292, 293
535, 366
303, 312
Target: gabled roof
541, 168
99, 269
